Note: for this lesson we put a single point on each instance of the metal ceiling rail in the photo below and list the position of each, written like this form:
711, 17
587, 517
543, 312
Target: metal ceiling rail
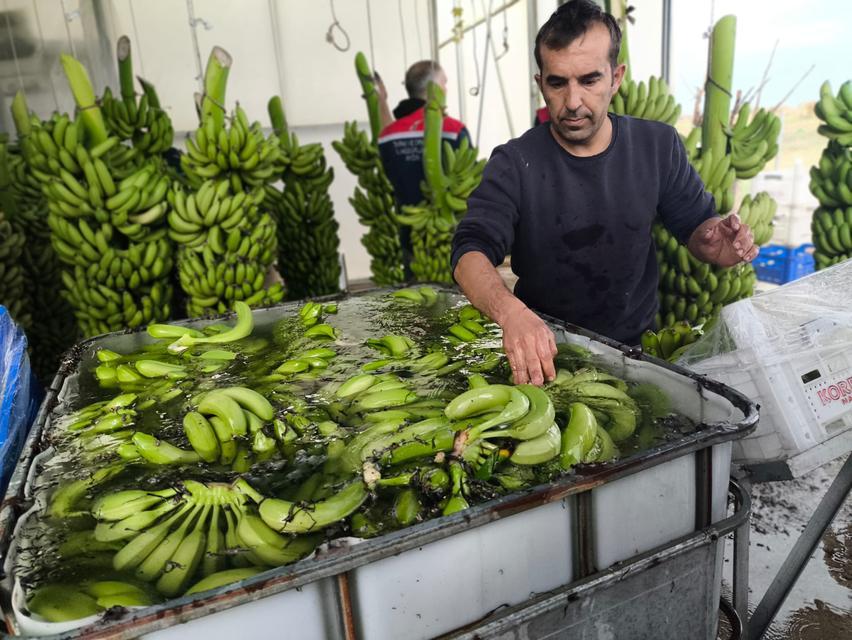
478, 22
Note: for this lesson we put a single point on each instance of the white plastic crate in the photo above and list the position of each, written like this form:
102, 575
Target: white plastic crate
790, 351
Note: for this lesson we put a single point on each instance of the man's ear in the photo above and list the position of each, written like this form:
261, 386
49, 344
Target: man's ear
538, 80
618, 76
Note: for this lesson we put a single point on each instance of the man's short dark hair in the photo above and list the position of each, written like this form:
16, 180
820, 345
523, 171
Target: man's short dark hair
418, 76
572, 20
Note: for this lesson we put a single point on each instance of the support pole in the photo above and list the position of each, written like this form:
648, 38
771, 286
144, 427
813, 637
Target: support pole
532, 32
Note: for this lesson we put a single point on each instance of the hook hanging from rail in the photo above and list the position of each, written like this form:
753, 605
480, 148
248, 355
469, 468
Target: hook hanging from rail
474, 90
335, 24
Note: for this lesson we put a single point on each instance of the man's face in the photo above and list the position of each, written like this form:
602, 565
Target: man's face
577, 83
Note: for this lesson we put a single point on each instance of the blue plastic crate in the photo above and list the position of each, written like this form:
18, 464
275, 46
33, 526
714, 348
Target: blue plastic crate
771, 264
19, 395
801, 262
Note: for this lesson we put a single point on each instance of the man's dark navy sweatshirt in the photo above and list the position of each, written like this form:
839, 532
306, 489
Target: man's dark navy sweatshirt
579, 228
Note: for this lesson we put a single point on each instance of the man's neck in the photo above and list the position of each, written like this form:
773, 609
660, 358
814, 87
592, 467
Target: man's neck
592, 147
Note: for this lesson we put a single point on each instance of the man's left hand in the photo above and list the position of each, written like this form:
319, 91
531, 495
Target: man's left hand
723, 241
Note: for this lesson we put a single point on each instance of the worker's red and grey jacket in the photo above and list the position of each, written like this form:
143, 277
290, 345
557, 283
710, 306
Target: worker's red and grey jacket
401, 148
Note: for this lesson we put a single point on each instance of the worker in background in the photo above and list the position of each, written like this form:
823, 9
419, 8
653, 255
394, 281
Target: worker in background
573, 201
401, 140
542, 115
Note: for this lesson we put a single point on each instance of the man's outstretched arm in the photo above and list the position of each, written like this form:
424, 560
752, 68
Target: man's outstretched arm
528, 341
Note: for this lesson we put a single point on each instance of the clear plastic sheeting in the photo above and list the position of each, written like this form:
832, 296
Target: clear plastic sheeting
18, 395
790, 351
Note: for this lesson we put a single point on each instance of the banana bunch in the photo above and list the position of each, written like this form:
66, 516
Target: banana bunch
239, 153
758, 213
753, 144
61, 602
671, 342
308, 241
229, 425
374, 203
215, 216
651, 102
49, 333
106, 211
831, 230
108, 287
56, 148
175, 536
691, 290
227, 246
214, 281
145, 124
615, 411
835, 112
12, 293
831, 179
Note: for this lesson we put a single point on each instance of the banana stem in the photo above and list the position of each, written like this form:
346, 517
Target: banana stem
215, 82
717, 86
84, 96
21, 114
125, 69
432, 128
276, 116
371, 96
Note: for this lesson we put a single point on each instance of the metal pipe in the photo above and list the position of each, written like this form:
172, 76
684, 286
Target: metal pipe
585, 536
741, 553
434, 49
666, 44
457, 14
502, 88
484, 74
275, 24
800, 554
532, 32
703, 488
478, 22
345, 599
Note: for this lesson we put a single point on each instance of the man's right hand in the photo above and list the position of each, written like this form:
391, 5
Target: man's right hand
530, 346
528, 342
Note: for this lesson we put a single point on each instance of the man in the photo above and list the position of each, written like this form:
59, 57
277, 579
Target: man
401, 141
573, 201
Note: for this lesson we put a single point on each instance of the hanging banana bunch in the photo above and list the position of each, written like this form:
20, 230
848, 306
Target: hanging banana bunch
239, 152
831, 179
106, 211
52, 329
13, 294
651, 102
753, 144
692, 291
836, 113
308, 241
451, 175
372, 199
226, 238
144, 123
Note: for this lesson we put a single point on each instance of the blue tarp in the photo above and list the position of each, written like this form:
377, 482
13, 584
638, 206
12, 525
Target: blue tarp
19, 395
